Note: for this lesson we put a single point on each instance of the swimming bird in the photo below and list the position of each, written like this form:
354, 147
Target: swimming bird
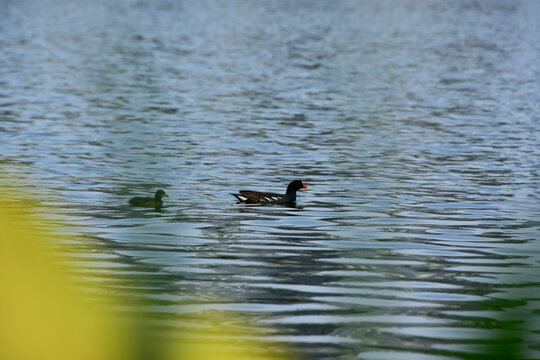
156, 201
257, 197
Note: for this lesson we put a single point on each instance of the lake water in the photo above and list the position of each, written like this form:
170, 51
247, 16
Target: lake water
414, 123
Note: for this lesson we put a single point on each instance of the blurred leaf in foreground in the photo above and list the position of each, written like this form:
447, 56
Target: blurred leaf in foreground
46, 314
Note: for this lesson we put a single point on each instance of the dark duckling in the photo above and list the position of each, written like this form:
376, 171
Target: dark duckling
268, 198
156, 201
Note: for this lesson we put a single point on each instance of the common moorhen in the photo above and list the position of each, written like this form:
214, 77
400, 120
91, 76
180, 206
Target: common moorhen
148, 201
257, 197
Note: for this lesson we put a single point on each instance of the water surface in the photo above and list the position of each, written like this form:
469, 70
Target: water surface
415, 124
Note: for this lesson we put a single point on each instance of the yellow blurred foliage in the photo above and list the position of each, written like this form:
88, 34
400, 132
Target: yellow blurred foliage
45, 314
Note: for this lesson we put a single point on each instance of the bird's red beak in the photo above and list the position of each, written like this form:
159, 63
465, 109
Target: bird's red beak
304, 186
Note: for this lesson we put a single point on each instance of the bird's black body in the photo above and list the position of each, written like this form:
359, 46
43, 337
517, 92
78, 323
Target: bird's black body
257, 197
156, 201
